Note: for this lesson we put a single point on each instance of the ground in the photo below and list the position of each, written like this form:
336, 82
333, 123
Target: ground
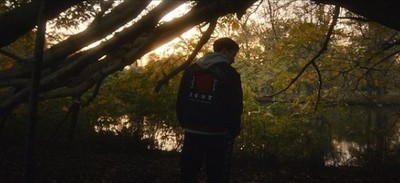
66, 164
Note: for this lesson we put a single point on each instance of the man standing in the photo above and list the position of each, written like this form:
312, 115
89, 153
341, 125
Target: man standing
209, 106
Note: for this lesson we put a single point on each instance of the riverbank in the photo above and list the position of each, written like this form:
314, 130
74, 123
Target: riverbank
132, 164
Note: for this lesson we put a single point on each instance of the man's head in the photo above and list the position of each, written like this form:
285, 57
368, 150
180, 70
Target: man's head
226, 46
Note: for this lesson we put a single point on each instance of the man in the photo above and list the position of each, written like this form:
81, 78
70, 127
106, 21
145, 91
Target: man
209, 106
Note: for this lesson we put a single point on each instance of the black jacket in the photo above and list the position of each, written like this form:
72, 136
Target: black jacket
210, 99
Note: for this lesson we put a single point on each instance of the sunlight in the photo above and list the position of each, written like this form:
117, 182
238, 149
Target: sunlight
178, 12
122, 123
163, 136
164, 50
63, 33
344, 153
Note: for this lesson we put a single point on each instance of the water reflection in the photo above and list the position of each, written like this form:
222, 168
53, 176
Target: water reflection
162, 136
363, 136
109, 124
343, 151
353, 136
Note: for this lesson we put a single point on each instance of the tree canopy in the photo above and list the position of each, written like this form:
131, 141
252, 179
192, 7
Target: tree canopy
88, 42
123, 32
70, 67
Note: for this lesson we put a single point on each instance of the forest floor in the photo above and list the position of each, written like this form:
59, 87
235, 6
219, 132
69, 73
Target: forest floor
70, 164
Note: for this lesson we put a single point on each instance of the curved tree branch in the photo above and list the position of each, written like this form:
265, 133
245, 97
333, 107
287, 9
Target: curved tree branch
58, 82
103, 26
319, 86
12, 56
324, 47
23, 19
81, 70
383, 12
369, 69
203, 40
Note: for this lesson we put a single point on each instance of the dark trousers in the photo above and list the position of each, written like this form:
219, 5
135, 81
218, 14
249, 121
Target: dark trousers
216, 150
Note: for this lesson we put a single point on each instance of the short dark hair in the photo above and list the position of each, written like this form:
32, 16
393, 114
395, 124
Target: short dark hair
225, 43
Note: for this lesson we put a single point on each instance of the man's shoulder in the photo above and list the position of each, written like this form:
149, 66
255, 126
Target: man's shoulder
192, 68
226, 68
223, 66
221, 69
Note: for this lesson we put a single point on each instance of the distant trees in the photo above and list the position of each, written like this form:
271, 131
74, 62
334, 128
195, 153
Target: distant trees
360, 57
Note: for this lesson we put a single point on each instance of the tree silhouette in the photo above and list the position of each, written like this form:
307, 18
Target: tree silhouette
69, 70
384, 12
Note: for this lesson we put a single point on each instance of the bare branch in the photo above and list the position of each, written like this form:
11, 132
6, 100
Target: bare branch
56, 55
75, 106
20, 20
206, 36
369, 69
361, 19
12, 56
82, 70
94, 94
319, 86
313, 60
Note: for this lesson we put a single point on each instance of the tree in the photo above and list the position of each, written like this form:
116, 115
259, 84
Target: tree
70, 68
383, 12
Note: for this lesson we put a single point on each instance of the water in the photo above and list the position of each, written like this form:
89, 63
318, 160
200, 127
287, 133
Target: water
346, 136
364, 135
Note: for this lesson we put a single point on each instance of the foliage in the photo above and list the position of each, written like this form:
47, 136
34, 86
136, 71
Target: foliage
356, 62
279, 134
115, 34
361, 60
128, 104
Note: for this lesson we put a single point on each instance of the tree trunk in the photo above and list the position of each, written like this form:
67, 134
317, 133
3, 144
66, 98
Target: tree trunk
34, 96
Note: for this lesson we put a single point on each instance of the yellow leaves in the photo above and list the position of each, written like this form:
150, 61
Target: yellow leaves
235, 26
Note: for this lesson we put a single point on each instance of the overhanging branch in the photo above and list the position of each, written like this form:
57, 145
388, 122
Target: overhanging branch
312, 62
75, 75
203, 40
12, 56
